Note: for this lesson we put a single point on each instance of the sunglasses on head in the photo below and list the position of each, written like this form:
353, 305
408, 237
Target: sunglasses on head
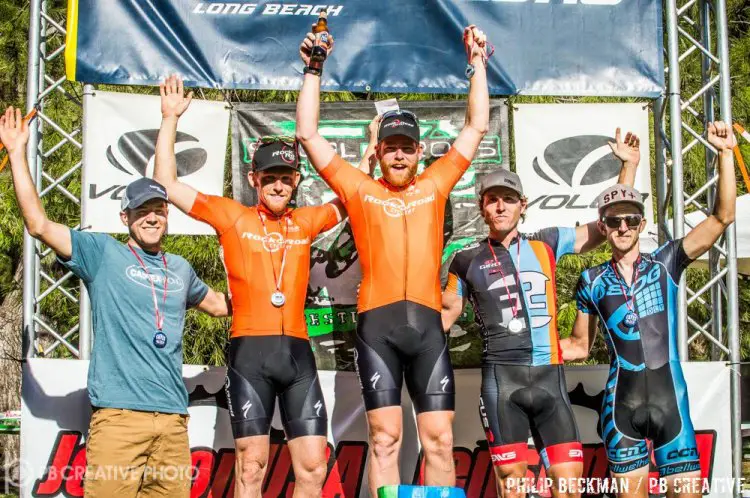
272, 139
631, 220
391, 114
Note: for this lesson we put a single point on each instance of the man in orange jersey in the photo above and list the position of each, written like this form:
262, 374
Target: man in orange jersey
266, 253
397, 222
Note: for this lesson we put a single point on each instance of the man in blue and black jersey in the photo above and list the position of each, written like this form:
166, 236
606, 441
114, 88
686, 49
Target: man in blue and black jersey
510, 279
635, 297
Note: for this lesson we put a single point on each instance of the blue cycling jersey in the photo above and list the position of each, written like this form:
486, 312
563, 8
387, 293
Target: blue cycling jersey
646, 396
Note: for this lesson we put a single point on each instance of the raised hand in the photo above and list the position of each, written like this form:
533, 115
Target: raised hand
721, 136
173, 100
475, 41
628, 150
305, 48
14, 132
373, 128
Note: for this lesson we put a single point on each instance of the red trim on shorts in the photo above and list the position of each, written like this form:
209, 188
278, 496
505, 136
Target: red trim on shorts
509, 454
564, 453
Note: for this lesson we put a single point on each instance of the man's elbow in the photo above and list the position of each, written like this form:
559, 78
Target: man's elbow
480, 128
727, 218
36, 228
305, 135
167, 180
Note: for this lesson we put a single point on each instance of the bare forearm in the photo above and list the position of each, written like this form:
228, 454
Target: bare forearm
368, 162
450, 314
32, 211
627, 174
478, 108
165, 162
308, 108
574, 349
727, 189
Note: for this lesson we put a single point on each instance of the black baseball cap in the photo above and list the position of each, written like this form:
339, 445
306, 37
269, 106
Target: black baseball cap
395, 123
140, 191
275, 153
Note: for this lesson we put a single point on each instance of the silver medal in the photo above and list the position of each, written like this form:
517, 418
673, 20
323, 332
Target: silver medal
278, 299
515, 325
631, 319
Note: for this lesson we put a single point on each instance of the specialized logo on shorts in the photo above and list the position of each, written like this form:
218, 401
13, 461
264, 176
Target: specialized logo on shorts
485, 421
374, 379
246, 408
395, 207
318, 406
229, 396
444, 382
156, 276
274, 241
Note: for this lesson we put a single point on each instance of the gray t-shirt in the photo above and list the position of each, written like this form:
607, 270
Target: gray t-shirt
127, 370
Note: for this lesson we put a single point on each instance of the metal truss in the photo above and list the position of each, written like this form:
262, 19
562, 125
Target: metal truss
699, 92
46, 288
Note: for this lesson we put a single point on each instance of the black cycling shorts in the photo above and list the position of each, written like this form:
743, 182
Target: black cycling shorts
404, 339
263, 367
516, 399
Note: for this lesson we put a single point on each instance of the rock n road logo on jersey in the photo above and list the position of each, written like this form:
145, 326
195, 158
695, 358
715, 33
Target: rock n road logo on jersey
274, 241
396, 208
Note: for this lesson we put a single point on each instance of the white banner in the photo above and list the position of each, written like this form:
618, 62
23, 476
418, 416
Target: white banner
119, 137
564, 161
56, 412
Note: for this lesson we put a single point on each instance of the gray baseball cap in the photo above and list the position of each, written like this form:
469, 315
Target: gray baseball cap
617, 194
500, 178
140, 191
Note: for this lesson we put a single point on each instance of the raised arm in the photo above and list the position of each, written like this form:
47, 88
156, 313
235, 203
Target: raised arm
173, 105
368, 162
701, 238
628, 151
14, 134
317, 148
478, 108
577, 346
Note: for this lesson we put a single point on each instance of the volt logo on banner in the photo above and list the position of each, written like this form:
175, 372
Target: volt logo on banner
120, 132
564, 161
559, 47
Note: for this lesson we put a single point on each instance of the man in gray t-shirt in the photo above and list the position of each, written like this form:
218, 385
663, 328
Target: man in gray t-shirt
137, 443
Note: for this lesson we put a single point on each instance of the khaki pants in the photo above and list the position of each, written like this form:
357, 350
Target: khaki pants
137, 454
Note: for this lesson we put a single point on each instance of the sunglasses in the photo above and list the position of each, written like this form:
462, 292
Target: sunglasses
272, 139
391, 114
631, 220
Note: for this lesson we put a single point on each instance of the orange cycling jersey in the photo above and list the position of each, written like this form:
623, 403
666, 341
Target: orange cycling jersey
398, 231
252, 260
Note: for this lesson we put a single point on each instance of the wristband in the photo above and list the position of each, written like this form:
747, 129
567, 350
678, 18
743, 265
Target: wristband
313, 70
